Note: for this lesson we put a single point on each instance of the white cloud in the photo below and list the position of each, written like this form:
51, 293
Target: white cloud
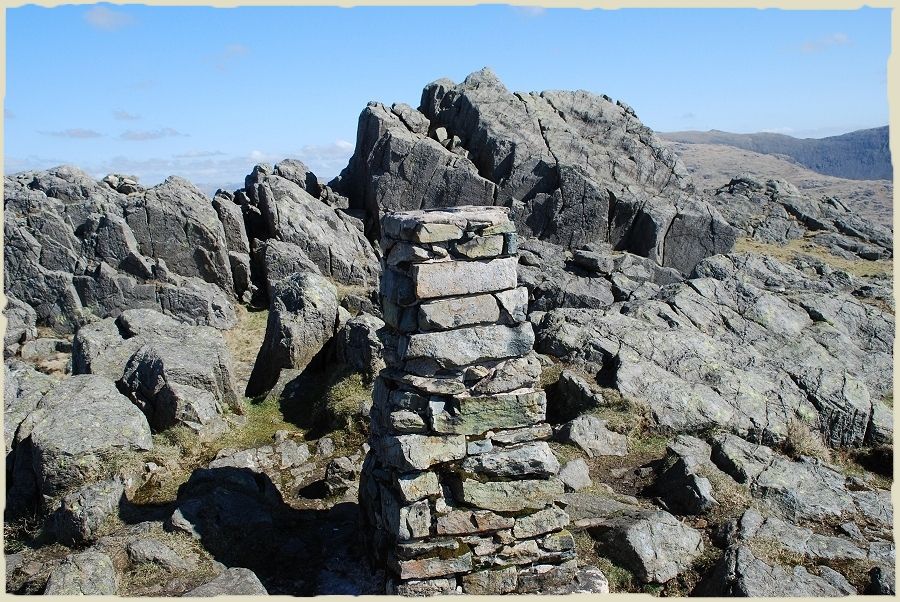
125, 115
150, 134
530, 11
825, 42
107, 19
75, 133
224, 59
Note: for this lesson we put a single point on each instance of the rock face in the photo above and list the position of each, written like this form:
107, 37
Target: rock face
235, 581
717, 350
303, 315
557, 159
77, 248
86, 574
176, 373
458, 490
777, 212
306, 230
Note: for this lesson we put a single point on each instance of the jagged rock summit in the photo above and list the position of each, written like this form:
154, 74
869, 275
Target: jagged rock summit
574, 168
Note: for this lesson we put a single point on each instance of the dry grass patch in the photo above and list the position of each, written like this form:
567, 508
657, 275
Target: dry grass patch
245, 339
805, 248
802, 440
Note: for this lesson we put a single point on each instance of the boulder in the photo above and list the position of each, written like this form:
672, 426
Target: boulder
85, 574
302, 318
21, 322
77, 431
591, 435
575, 475
654, 545
555, 158
359, 344
234, 581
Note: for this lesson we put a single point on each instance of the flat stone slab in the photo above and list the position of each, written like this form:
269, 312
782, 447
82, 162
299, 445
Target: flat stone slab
449, 278
508, 496
477, 415
430, 225
418, 452
466, 346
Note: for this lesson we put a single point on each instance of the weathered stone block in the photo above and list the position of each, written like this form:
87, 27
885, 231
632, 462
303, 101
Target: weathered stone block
502, 581
509, 496
459, 311
418, 452
525, 460
477, 415
464, 346
416, 486
464, 522
480, 247
449, 278
426, 568
543, 521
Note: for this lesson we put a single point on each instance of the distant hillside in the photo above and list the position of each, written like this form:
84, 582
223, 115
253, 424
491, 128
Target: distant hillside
713, 165
859, 155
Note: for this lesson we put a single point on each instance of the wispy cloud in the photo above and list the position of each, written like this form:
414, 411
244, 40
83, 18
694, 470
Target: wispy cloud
150, 134
7, 114
125, 115
199, 154
107, 19
825, 42
689, 115
530, 11
74, 133
225, 58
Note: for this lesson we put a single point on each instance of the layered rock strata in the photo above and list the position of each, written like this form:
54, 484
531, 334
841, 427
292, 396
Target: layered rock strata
459, 488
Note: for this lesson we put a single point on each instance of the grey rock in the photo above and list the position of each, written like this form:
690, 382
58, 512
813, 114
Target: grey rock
86, 574
501, 581
419, 452
150, 550
322, 235
881, 581
518, 461
465, 346
302, 315
575, 475
21, 322
82, 513
653, 544
476, 415
235, 581
359, 344
508, 496
75, 426
591, 435
740, 573
443, 279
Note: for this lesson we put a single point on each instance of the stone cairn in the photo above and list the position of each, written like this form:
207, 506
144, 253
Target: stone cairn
459, 485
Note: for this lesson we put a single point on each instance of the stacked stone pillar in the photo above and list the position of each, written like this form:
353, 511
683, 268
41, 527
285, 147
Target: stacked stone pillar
459, 489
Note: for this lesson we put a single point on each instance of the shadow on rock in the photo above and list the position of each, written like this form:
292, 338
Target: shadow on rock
241, 519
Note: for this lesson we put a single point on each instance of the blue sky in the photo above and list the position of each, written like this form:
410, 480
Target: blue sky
207, 92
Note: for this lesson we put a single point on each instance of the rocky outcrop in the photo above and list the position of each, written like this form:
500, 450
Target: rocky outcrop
174, 372
777, 212
748, 345
303, 314
574, 168
77, 248
307, 229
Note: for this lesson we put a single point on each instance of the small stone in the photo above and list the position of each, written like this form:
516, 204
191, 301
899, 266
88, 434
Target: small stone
590, 434
431, 567
497, 582
463, 522
404, 421
325, 447
419, 452
543, 521
575, 475
415, 486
